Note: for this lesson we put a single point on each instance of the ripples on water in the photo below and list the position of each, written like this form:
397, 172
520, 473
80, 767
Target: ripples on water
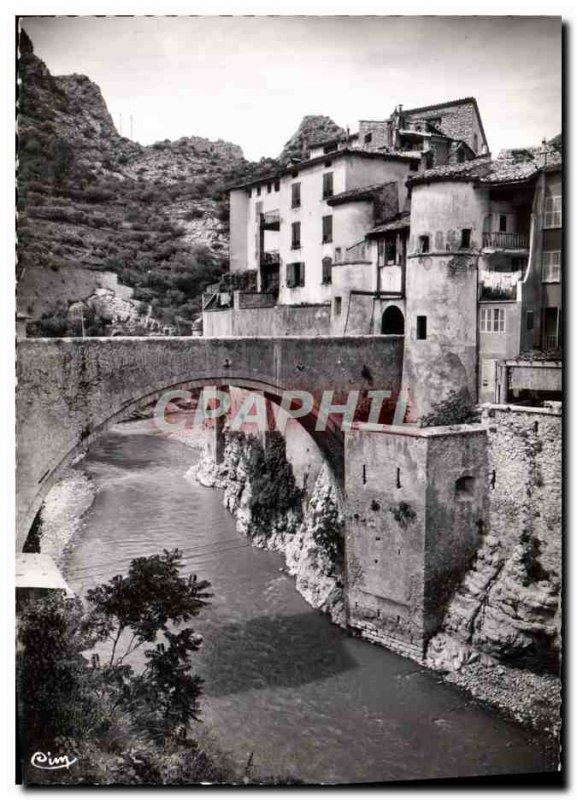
281, 681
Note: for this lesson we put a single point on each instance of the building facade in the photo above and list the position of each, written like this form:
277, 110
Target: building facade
407, 227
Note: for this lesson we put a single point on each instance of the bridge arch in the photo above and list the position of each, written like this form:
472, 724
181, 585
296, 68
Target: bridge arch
70, 391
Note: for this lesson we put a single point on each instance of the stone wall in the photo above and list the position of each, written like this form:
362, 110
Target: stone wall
271, 320
414, 500
507, 606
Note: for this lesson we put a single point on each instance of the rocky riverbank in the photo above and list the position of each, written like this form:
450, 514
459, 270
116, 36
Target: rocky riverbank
308, 534
62, 512
503, 606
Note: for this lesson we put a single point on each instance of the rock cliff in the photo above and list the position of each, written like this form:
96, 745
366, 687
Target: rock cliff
93, 201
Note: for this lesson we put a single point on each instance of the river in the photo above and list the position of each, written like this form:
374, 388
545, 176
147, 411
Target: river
281, 682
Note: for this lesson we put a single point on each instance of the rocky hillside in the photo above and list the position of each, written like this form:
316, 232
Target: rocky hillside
101, 216
313, 129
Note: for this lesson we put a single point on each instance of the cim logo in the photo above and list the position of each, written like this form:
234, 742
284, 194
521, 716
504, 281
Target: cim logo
42, 760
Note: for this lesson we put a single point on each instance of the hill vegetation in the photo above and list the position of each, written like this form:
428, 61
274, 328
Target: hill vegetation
92, 202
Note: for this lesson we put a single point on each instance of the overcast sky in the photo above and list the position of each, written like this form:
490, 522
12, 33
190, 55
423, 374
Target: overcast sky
250, 80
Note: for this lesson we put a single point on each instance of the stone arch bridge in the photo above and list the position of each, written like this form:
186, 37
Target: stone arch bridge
70, 390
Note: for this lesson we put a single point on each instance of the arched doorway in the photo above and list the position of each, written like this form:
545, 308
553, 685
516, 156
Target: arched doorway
393, 321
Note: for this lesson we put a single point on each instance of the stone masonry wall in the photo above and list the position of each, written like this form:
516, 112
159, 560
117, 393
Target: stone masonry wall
508, 605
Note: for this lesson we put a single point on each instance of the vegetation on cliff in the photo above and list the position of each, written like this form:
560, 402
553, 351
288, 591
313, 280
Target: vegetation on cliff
91, 199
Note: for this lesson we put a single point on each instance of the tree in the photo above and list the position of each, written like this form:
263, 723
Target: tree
143, 602
91, 703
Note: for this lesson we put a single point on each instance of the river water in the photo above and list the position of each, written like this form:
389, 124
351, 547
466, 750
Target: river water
281, 682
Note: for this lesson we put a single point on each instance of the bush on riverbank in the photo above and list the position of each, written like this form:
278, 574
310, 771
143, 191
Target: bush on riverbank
122, 727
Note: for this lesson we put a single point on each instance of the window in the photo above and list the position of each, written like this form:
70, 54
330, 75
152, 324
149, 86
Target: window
327, 185
250, 192
552, 212
295, 274
338, 253
466, 238
295, 235
368, 138
338, 306
460, 156
269, 188
393, 321
295, 195
488, 373
502, 223
390, 250
530, 320
551, 271
258, 191
328, 163
424, 244
492, 320
327, 269
295, 173
421, 327
327, 229
414, 166
277, 186
551, 327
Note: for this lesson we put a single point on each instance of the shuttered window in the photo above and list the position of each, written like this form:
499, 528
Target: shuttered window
295, 274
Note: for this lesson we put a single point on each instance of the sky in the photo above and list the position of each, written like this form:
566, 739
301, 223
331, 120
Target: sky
250, 80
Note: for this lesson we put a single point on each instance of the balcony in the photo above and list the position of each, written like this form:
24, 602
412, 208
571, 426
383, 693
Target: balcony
271, 258
270, 221
506, 241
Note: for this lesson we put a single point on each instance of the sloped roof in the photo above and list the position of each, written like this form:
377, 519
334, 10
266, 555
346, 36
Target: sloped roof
399, 223
361, 193
483, 170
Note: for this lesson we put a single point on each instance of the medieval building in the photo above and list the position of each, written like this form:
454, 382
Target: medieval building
409, 227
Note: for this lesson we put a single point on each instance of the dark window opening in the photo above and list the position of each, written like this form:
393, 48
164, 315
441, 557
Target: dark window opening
295, 195
393, 322
295, 235
269, 188
390, 250
502, 223
421, 327
530, 320
413, 166
465, 488
328, 163
398, 478
258, 191
277, 186
295, 173
295, 274
327, 269
327, 229
460, 156
368, 138
338, 306
327, 185
424, 244
493, 478
466, 238
364, 473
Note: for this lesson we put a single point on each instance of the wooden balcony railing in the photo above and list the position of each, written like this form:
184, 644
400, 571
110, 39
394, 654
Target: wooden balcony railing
506, 241
270, 258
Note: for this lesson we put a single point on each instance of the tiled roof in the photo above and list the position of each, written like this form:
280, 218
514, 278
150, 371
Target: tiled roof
399, 223
480, 170
361, 193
